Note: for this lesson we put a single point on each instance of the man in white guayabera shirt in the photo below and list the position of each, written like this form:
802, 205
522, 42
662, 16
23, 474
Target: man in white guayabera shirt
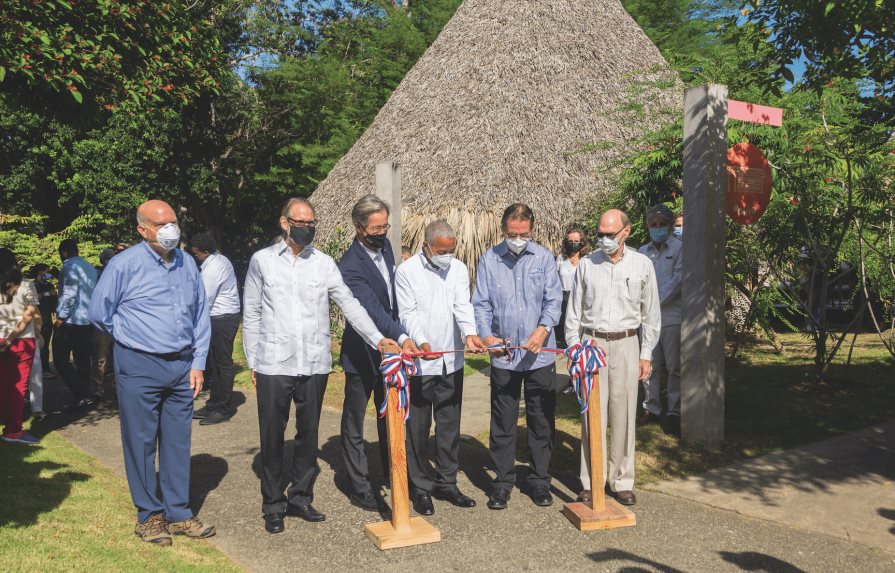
433, 304
286, 338
614, 296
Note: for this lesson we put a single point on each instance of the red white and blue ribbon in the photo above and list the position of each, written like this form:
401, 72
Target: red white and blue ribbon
584, 362
396, 370
505, 346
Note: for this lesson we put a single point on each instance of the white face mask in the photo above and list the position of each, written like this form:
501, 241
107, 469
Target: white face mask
678, 231
608, 245
440, 261
517, 245
168, 237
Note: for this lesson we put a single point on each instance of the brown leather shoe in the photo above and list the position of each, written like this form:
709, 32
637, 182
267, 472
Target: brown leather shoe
626, 497
585, 496
647, 418
191, 527
154, 530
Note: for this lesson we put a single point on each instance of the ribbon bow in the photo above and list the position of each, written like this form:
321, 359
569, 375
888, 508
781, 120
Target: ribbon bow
505, 346
584, 362
396, 370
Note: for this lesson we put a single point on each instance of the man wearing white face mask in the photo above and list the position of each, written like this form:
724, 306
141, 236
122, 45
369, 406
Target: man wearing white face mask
433, 305
150, 299
614, 296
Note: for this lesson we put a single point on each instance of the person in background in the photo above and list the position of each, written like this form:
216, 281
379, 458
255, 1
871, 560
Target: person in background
679, 224
18, 309
406, 253
664, 250
47, 300
223, 302
518, 298
615, 301
433, 302
102, 342
368, 268
74, 335
574, 246
36, 378
150, 299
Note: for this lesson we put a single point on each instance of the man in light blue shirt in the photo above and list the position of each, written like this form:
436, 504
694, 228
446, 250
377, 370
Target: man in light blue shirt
151, 300
518, 298
74, 335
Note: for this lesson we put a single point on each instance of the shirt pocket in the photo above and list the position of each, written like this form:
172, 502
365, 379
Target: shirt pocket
633, 289
277, 348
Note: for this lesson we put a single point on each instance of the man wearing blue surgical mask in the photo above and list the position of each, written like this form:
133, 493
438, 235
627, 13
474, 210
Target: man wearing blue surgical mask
664, 249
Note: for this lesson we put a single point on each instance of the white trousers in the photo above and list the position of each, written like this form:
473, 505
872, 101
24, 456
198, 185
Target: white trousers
36, 384
618, 409
666, 353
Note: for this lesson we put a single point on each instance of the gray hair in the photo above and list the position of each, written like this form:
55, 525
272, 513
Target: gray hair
436, 229
366, 206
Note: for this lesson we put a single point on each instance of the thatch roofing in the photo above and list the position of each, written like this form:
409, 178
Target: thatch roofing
494, 112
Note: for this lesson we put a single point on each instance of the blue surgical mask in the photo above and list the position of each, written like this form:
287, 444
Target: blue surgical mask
659, 235
678, 232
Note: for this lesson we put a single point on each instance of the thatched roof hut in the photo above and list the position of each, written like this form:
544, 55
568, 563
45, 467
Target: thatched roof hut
497, 111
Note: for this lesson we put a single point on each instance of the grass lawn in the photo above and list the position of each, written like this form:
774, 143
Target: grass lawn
63, 511
772, 403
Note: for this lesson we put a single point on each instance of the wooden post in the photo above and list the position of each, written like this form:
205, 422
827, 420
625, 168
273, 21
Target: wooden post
388, 188
702, 324
602, 513
402, 530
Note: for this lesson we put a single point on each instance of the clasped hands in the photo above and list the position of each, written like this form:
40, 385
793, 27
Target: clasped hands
534, 344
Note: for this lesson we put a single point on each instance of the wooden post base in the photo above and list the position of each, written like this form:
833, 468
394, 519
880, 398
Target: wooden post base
385, 536
587, 519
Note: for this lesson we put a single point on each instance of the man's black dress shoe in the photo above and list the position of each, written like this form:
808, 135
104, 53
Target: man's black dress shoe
626, 497
422, 504
200, 413
306, 512
273, 522
541, 496
455, 496
213, 418
498, 499
366, 502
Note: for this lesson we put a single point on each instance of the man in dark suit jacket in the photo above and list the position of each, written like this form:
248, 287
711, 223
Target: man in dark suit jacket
368, 268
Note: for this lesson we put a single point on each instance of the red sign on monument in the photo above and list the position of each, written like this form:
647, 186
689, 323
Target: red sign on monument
748, 183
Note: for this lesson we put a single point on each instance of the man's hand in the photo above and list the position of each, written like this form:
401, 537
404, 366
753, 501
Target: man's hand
426, 347
254, 382
388, 346
197, 378
58, 322
495, 352
646, 368
475, 344
409, 346
536, 340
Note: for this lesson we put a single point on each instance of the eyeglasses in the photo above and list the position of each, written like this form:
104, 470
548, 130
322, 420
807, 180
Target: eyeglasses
378, 229
612, 234
297, 223
526, 236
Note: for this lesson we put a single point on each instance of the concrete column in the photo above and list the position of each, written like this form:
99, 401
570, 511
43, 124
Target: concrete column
702, 328
388, 188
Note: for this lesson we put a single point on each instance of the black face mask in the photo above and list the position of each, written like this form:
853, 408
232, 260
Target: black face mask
378, 241
302, 236
571, 247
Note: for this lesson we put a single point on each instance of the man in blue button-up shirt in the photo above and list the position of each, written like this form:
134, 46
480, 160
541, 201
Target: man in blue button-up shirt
151, 300
74, 335
518, 298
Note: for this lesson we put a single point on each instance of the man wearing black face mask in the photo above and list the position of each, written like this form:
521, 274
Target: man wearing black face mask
219, 281
368, 267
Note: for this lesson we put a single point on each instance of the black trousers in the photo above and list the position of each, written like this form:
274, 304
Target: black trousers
219, 369
46, 332
443, 396
561, 327
275, 397
540, 409
76, 341
358, 388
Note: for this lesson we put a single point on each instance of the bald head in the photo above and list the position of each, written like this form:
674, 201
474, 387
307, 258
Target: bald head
613, 220
154, 210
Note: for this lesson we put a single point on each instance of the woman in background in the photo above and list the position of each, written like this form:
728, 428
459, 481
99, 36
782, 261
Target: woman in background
574, 246
18, 307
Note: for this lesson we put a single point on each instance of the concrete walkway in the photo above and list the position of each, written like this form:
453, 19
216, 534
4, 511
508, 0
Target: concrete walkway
672, 534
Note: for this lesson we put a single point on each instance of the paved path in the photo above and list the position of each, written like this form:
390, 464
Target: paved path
672, 535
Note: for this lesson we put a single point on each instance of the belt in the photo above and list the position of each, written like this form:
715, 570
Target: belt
168, 356
611, 336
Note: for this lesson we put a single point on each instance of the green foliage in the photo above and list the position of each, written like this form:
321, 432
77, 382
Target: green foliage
119, 53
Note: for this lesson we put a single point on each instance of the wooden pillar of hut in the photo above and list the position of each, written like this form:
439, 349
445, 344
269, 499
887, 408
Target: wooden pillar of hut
702, 327
388, 188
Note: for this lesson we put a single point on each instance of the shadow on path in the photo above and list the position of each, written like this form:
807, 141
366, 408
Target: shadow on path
753, 561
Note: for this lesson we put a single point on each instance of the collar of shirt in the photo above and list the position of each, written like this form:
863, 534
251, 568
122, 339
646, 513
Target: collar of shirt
286, 252
430, 267
502, 249
209, 260
176, 261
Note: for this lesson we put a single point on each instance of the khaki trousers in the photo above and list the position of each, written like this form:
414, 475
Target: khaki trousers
618, 408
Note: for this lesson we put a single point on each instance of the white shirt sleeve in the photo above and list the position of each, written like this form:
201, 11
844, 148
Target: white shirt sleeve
354, 312
573, 310
251, 317
650, 313
408, 310
463, 312
212, 277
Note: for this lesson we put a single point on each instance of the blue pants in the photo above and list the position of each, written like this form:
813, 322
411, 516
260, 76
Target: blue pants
156, 406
